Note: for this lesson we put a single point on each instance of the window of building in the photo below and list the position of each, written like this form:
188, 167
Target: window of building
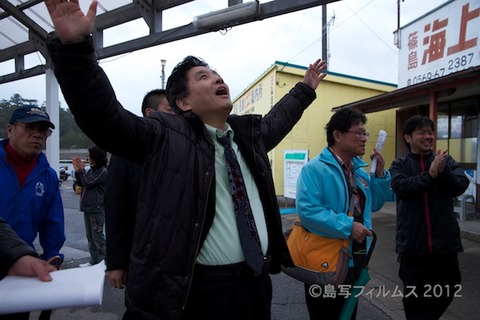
457, 130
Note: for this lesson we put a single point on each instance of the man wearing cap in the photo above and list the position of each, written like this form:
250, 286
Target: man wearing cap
30, 199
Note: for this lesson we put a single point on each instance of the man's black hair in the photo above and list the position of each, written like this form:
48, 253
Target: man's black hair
416, 122
98, 155
152, 100
342, 121
177, 82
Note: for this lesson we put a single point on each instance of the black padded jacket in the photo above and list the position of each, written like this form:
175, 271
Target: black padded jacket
121, 194
176, 199
425, 219
12, 247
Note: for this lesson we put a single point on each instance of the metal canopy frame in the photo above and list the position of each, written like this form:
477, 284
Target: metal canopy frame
31, 17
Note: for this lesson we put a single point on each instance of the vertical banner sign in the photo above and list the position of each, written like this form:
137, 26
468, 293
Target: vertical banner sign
294, 160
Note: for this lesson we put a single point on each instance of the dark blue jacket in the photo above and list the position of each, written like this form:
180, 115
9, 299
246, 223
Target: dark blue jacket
34, 208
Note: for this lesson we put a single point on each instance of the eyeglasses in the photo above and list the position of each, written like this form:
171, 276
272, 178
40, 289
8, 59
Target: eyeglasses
31, 128
360, 134
425, 132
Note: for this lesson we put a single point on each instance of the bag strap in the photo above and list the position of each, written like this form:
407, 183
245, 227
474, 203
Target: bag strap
353, 186
370, 251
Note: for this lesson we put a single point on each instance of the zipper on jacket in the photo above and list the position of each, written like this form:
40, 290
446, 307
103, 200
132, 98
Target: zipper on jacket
427, 209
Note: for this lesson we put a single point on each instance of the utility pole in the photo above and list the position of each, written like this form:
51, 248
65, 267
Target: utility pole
324, 32
397, 33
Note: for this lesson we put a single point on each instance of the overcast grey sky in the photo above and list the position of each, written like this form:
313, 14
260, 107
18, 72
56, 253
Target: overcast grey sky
360, 44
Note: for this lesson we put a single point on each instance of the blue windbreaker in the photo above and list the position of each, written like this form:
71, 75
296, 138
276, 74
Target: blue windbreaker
34, 208
322, 195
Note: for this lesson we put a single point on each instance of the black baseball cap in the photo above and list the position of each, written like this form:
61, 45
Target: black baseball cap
29, 114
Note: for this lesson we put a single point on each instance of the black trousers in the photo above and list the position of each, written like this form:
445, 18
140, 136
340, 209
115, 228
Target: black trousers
430, 282
325, 308
230, 292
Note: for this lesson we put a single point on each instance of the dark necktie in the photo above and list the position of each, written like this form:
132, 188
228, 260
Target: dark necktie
247, 229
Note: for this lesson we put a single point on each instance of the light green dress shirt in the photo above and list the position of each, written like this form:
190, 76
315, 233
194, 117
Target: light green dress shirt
222, 244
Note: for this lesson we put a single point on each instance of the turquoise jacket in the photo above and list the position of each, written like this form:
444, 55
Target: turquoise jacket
323, 200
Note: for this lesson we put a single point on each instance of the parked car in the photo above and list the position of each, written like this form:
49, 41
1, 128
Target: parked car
64, 173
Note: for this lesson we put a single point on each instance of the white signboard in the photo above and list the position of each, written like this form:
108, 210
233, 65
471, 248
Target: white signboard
440, 43
294, 160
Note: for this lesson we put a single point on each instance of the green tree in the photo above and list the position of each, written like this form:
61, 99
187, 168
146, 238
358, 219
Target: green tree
71, 137
70, 134
16, 101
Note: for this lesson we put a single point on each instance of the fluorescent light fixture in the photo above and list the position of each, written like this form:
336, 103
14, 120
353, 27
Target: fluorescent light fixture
227, 16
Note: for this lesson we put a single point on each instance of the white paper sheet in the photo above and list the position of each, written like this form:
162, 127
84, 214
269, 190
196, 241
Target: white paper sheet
69, 288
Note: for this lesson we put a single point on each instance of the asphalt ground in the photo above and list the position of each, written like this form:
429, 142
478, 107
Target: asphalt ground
380, 299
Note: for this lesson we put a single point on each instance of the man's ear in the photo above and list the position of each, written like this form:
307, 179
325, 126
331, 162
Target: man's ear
407, 138
148, 111
183, 104
336, 135
9, 130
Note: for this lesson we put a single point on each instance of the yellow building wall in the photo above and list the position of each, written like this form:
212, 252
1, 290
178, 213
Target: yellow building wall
309, 132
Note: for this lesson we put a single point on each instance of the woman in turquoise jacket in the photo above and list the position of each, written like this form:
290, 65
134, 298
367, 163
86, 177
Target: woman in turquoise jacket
324, 189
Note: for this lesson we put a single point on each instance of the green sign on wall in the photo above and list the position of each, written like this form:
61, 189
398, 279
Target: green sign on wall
294, 160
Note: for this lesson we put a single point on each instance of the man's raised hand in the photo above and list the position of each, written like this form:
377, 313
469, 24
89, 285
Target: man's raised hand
315, 73
70, 23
